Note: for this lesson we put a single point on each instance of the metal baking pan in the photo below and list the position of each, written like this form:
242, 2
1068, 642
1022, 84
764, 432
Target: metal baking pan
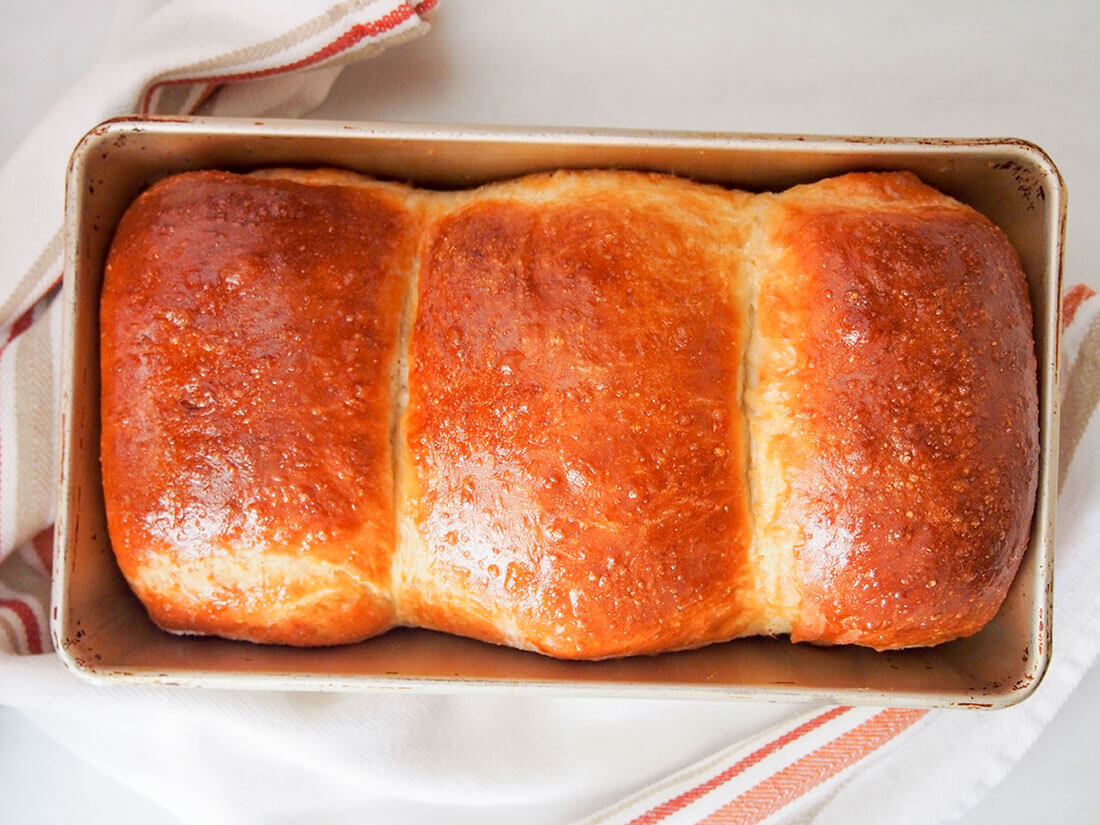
102, 632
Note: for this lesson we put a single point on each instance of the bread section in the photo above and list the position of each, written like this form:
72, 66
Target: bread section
894, 410
248, 337
576, 448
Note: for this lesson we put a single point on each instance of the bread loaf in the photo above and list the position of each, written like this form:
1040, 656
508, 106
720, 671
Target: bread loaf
590, 414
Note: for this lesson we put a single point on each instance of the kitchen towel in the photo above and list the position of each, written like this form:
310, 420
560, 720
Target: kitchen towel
241, 757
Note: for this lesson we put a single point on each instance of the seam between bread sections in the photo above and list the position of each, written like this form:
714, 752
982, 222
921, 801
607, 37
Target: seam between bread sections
399, 406
746, 275
767, 570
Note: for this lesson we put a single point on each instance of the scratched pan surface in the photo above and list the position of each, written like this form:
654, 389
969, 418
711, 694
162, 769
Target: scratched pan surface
102, 632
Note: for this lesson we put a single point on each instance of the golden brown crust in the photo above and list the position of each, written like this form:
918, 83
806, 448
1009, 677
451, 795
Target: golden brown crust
574, 428
911, 456
248, 334
633, 413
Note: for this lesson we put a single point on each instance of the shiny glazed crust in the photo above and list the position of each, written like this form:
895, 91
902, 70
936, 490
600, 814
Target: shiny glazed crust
895, 407
590, 414
249, 332
575, 441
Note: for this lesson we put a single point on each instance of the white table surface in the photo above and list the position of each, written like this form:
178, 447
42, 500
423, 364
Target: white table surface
989, 69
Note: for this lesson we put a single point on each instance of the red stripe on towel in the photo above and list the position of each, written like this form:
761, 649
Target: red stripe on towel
29, 621
794, 781
24, 321
1071, 302
344, 42
666, 809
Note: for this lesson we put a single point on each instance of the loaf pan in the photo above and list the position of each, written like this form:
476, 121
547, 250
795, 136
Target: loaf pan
102, 632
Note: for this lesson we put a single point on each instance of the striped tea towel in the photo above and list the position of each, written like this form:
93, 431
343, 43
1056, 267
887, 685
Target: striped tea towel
275, 59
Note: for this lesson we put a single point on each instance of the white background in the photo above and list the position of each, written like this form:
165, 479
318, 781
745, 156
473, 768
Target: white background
915, 69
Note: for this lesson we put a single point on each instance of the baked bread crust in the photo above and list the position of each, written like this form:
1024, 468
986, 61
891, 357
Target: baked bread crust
895, 346
249, 332
589, 414
575, 439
